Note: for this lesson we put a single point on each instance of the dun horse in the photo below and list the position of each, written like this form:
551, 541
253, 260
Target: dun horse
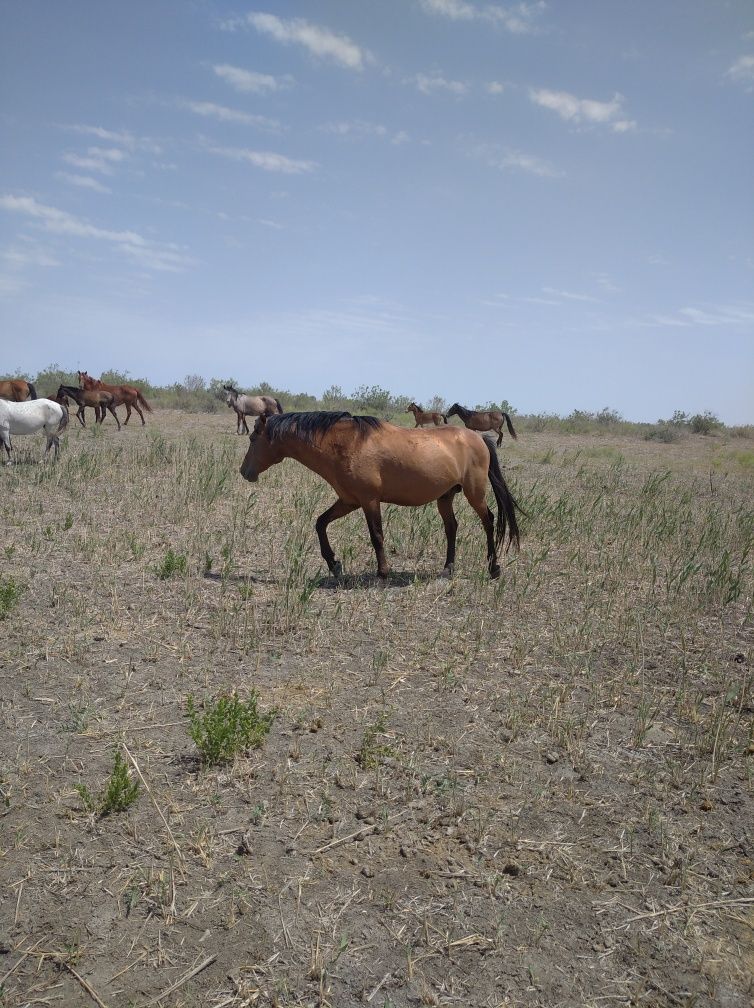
426, 416
30, 417
17, 390
484, 420
100, 401
368, 462
246, 405
126, 395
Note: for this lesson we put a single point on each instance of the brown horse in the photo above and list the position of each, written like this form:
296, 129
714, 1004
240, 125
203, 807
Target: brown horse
126, 395
426, 416
17, 390
484, 420
99, 400
368, 462
248, 405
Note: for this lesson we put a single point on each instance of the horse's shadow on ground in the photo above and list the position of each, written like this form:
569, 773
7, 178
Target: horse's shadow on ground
326, 582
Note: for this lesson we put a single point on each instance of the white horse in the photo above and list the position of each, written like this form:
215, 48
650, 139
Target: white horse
30, 417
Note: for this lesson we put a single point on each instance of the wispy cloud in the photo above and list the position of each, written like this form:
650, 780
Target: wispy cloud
359, 128
514, 160
519, 19
32, 255
267, 160
742, 72
431, 83
569, 295
148, 254
122, 137
249, 81
584, 110
83, 182
320, 42
223, 114
707, 315
99, 159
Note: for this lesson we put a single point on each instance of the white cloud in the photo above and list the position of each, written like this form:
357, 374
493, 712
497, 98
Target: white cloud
514, 160
431, 84
519, 19
83, 182
495, 87
709, 315
742, 71
99, 159
111, 136
320, 42
267, 160
249, 81
223, 114
584, 110
568, 295
150, 254
29, 256
359, 128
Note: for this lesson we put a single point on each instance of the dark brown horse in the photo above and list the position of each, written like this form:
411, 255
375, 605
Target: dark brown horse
484, 420
99, 400
426, 416
368, 462
126, 395
17, 390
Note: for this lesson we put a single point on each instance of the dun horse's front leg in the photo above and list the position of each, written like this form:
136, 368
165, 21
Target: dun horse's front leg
445, 507
339, 510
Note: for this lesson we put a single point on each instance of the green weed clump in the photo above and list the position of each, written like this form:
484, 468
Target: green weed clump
227, 726
10, 593
119, 794
172, 564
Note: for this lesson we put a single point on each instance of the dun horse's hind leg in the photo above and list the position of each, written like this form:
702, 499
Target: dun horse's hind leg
128, 412
373, 515
339, 510
445, 507
479, 503
143, 421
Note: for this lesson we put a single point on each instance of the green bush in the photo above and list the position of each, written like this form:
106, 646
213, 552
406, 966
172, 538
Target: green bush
704, 423
119, 794
227, 726
10, 593
172, 564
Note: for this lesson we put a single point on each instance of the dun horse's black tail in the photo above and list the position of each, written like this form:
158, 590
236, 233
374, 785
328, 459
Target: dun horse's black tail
506, 505
510, 427
32, 391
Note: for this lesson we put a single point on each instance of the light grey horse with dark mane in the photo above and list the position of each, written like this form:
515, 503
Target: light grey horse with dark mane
246, 405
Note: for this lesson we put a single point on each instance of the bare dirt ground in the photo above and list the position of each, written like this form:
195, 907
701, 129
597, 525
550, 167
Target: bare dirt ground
529, 792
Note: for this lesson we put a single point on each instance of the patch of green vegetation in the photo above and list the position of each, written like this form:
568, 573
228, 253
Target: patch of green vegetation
227, 726
10, 593
172, 564
119, 793
371, 750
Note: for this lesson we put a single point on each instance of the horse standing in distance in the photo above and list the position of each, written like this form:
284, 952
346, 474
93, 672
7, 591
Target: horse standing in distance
246, 405
30, 417
368, 462
123, 395
17, 390
426, 416
484, 420
99, 400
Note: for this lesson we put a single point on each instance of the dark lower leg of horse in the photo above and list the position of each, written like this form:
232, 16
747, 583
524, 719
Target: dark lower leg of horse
80, 415
445, 507
143, 421
499, 436
373, 515
488, 521
128, 414
338, 510
115, 415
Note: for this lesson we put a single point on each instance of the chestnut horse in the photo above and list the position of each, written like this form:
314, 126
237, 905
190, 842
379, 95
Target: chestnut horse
126, 395
426, 416
484, 420
17, 390
368, 462
248, 405
98, 399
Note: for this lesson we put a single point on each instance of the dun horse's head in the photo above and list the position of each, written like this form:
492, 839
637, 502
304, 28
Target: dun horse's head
261, 454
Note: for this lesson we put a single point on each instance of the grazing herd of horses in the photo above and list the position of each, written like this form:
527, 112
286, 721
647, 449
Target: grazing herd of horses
368, 462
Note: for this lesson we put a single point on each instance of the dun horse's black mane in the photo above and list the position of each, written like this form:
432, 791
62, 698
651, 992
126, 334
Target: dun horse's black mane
308, 426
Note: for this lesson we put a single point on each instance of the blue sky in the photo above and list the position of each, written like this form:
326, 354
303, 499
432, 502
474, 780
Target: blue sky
549, 203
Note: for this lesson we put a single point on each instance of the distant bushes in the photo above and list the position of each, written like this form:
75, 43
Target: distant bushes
195, 394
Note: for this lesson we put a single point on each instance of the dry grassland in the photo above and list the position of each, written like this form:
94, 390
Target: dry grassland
535, 791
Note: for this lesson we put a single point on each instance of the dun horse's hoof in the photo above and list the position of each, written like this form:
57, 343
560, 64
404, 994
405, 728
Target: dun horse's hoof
495, 571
